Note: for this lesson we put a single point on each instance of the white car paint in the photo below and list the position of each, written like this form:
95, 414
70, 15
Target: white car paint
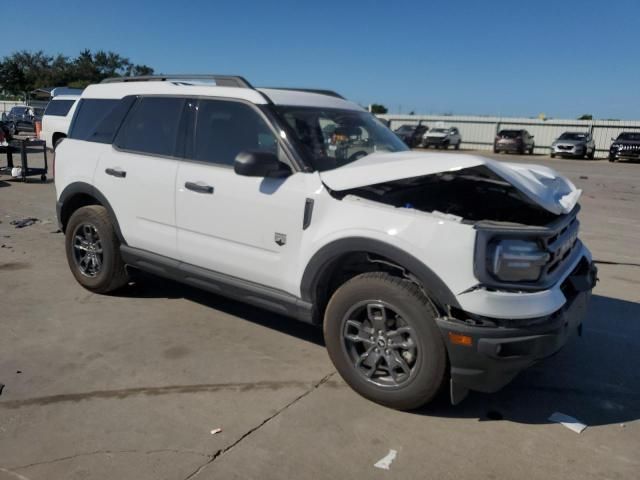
53, 125
540, 184
232, 232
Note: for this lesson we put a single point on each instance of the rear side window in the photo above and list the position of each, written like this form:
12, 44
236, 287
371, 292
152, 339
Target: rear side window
89, 114
226, 128
59, 108
152, 126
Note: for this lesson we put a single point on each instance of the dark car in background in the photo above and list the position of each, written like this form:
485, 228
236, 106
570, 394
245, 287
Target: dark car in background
24, 117
519, 141
625, 147
411, 134
574, 144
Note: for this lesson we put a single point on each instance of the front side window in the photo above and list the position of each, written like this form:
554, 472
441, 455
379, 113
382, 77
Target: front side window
59, 108
226, 128
331, 138
152, 126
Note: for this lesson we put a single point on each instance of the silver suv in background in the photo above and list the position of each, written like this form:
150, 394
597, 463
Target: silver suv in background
442, 137
574, 144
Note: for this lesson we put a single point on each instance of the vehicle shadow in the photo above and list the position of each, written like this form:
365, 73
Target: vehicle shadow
145, 285
595, 378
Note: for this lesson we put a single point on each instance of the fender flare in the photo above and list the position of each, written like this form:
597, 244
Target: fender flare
76, 188
432, 283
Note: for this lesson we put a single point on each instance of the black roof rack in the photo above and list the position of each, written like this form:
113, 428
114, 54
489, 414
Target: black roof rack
221, 80
319, 91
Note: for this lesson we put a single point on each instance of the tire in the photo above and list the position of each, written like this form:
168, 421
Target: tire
445, 145
612, 159
111, 274
364, 297
533, 147
552, 155
495, 150
457, 147
592, 155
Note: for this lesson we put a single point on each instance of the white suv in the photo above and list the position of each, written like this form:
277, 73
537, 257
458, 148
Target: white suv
57, 118
442, 137
424, 270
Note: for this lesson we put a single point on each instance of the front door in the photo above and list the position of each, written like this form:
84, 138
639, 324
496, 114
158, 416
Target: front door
245, 227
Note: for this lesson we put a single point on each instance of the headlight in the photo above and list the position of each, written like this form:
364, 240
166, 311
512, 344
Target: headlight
512, 260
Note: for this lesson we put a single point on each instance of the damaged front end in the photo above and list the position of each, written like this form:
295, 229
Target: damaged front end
531, 276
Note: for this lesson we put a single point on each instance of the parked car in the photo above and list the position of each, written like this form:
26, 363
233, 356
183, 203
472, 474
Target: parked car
625, 147
57, 118
423, 272
574, 144
23, 117
411, 135
519, 141
442, 138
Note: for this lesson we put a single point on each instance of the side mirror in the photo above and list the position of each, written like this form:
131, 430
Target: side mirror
613, 139
259, 164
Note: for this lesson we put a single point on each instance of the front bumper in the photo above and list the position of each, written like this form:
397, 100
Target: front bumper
499, 352
576, 151
434, 140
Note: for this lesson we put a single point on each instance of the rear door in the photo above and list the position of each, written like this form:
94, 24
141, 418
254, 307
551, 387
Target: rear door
138, 174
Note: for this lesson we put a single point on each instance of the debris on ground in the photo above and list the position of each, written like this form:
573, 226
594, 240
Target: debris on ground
24, 222
1, 388
568, 421
584, 177
216, 430
385, 462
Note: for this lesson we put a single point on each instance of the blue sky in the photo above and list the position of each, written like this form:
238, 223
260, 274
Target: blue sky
562, 58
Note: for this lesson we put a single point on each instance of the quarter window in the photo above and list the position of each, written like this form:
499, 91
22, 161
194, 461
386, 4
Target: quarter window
89, 114
226, 128
59, 108
152, 126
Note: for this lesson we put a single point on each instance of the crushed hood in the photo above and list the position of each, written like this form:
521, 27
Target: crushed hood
541, 185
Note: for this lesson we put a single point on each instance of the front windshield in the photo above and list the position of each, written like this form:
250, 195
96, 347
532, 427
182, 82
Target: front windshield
573, 136
630, 136
405, 128
439, 130
332, 138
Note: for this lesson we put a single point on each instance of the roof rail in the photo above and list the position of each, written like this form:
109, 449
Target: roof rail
329, 93
221, 80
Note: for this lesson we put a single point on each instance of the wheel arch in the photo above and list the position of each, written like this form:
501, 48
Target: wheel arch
81, 194
330, 258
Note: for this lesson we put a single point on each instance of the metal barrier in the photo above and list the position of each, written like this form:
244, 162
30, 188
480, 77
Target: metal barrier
479, 132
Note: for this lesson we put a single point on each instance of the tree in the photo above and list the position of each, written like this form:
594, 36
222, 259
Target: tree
25, 71
378, 109
586, 116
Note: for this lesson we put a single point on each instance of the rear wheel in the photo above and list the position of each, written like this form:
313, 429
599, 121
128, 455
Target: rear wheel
381, 335
592, 155
533, 147
93, 250
457, 147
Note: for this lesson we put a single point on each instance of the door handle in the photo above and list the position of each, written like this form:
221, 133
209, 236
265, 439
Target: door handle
116, 172
198, 187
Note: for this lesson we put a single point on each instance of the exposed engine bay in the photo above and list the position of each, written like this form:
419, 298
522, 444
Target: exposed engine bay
474, 194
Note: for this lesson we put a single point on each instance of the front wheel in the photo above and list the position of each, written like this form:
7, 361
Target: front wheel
382, 337
93, 250
457, 147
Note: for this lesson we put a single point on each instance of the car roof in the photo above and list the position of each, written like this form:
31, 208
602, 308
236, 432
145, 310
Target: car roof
65, 97
201, 89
